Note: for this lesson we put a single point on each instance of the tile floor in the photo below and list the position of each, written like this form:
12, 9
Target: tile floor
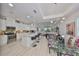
17, 49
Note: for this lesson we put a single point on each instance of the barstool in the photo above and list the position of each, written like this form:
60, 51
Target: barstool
33, 38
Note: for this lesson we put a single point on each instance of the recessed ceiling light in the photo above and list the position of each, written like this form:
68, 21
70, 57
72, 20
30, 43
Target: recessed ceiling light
51, 21
28, 16
63, 18
11, 5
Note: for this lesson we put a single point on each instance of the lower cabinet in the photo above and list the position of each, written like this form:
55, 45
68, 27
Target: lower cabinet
3, 40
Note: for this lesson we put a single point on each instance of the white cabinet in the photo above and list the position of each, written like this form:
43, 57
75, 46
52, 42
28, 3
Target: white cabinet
2, 24
10, 22
20, 26
26, 39
19, 36
3, 40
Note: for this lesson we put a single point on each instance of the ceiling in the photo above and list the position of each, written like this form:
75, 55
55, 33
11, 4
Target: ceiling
38, 12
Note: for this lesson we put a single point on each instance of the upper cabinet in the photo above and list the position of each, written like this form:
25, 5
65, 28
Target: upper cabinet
10, 22
2, 25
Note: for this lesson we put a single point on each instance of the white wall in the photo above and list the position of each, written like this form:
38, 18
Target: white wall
70, 19
62, 26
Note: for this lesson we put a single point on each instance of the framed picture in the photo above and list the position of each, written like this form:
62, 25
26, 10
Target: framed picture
71, 28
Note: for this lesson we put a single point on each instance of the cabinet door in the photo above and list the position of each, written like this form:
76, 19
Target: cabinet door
3, 40
2, 24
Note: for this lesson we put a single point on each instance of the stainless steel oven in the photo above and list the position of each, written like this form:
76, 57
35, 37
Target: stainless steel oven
11, 35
